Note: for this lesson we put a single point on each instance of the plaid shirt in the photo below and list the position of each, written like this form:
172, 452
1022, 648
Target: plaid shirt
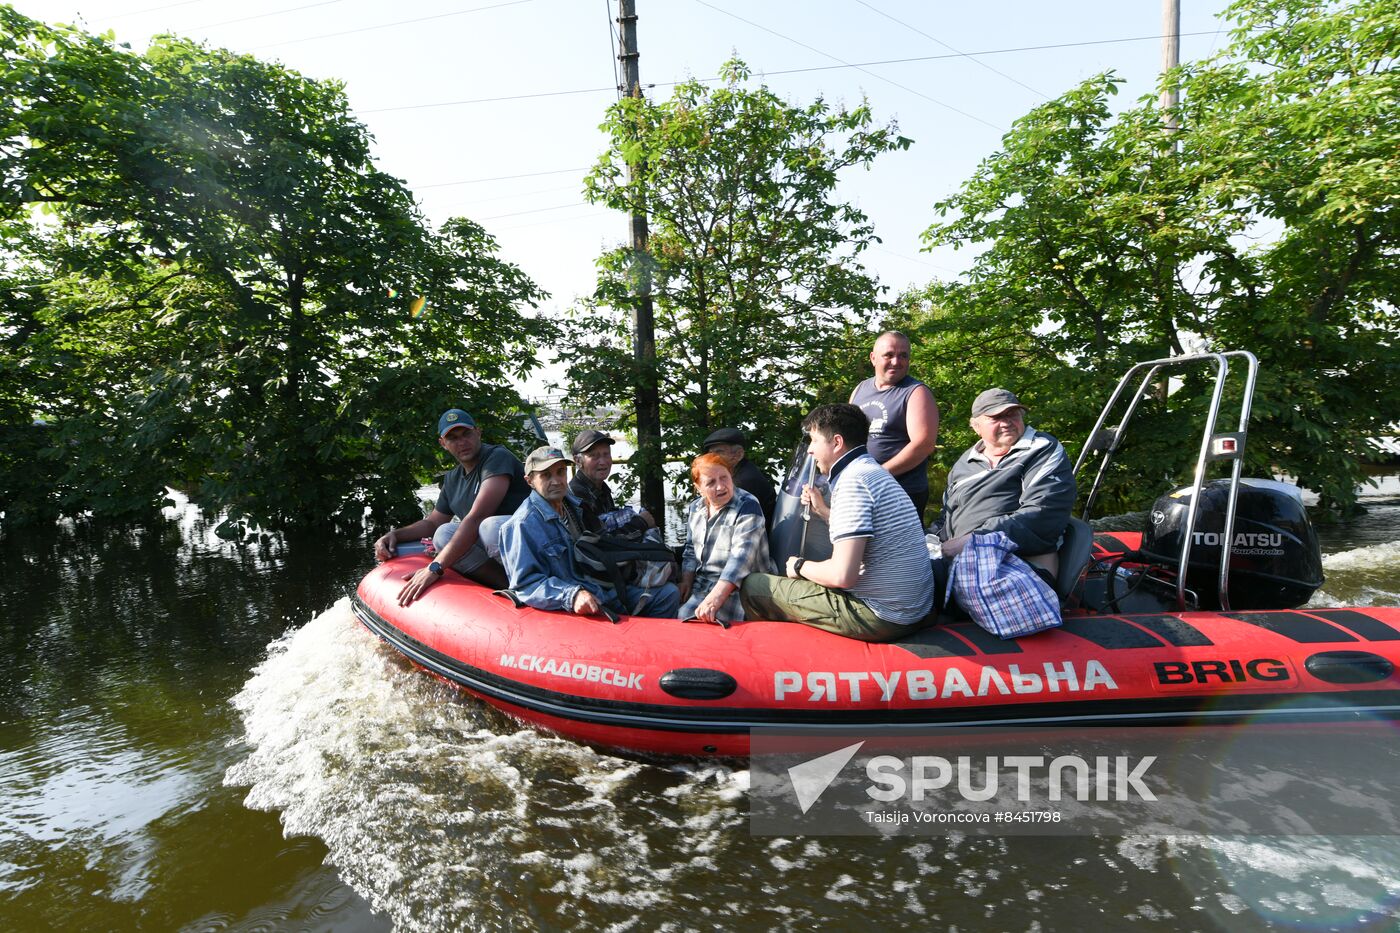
729, 548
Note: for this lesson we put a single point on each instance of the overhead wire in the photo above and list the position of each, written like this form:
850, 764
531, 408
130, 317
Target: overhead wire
515, 194
244, 19
612, 42
537, 210
790, 71
913, 28
878, 77
890, 61
401, 22
473, 181
155, 9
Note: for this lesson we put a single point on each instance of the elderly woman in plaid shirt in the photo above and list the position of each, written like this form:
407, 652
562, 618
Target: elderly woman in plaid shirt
726, 540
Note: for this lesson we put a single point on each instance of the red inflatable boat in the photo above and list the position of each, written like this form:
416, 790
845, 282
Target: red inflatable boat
1144, 640
688, 688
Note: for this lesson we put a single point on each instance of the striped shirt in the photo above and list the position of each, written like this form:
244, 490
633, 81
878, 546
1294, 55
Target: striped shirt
896, 581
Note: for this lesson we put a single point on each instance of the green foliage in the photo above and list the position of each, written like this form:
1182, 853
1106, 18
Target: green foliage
755, 263
1268, 222
219, 284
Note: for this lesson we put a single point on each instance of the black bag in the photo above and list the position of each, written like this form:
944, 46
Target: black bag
609, 558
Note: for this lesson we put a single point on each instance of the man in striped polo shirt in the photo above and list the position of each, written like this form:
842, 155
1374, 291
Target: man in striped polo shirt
877, 585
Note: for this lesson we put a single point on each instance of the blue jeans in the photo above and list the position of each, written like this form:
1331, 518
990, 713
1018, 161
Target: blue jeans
664, 601
487, 546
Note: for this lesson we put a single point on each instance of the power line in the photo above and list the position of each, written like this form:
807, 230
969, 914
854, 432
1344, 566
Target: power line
850, 65
489, 100
559, 221
1021, 48
515, 194
473, 181
612, 43
402, 22
915, 260
538, 210
156, 9
794, 71
950, 48
244, 19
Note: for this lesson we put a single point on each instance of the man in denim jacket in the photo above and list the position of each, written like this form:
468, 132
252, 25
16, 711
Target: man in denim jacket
537, 549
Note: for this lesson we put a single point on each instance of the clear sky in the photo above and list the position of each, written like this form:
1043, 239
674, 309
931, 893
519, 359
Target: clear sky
419, 73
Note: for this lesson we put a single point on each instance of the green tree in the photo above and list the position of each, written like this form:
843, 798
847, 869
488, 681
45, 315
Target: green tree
226, 282
1268, 222
755, 262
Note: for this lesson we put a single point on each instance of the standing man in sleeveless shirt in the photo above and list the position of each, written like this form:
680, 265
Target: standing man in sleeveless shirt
903, 417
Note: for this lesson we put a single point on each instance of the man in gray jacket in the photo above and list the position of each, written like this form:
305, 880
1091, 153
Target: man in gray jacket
1015, 479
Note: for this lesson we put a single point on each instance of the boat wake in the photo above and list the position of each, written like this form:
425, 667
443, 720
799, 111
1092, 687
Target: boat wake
1363, 576
442, 813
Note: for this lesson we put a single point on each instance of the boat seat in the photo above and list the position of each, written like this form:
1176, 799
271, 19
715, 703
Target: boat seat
1074, 553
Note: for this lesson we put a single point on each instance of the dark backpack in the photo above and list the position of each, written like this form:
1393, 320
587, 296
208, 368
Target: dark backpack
609, 558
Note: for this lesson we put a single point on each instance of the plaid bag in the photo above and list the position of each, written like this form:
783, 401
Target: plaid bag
1001, 592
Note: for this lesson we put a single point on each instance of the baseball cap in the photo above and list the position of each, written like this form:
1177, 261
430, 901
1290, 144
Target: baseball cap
542, 458
452, 418
994, 402
588, 439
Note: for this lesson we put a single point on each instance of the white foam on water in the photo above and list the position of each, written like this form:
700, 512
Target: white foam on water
1374, 557
445, 815
1338, 882
1363, 576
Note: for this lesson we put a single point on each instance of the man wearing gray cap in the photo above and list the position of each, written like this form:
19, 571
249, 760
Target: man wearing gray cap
537, 549
1015, 480
729, 443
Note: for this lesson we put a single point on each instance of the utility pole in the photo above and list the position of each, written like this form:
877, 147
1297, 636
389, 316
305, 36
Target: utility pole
645, 397
1171, 57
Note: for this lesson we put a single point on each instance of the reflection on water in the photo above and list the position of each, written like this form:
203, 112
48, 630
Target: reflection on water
122, 647
148, 780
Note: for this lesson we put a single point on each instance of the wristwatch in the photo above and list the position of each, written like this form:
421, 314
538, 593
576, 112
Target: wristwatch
435, 567
797, 568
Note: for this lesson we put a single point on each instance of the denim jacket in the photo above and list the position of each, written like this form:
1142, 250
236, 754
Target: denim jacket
538, 554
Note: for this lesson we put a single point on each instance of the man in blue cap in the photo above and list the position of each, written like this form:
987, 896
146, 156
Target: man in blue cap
485, 487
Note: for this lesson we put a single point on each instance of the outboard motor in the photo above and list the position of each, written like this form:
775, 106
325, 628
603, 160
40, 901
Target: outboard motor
1275, 562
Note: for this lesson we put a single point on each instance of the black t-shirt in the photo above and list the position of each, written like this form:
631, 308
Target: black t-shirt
460, 488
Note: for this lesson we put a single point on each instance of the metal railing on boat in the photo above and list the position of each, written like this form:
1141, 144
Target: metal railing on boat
1214, 446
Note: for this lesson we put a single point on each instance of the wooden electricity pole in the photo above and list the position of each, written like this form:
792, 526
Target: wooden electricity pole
1171, 57
645, 396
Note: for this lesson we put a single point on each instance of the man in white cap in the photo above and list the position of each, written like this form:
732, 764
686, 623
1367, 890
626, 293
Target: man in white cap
537, 549
1015, 480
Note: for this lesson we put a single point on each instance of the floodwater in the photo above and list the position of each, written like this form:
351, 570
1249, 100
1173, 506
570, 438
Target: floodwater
195, 734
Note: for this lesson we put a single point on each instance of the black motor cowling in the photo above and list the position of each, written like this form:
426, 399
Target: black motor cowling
1275, 562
